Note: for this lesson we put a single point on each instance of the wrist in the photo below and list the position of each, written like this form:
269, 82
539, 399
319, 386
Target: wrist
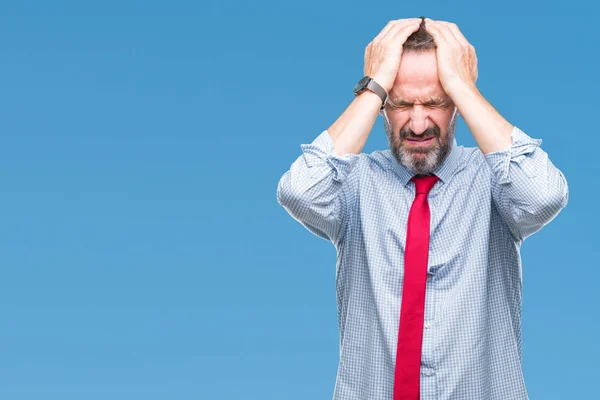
370, 97
383, 82
460, 89
368, 84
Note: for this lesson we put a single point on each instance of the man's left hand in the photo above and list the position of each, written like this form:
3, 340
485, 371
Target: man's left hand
456, 58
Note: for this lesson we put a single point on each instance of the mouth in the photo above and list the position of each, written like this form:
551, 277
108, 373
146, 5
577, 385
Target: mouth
419, 142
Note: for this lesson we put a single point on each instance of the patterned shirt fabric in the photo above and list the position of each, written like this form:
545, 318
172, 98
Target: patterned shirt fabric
482, 209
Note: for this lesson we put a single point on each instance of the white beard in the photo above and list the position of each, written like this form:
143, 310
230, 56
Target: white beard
432, 159
426, 165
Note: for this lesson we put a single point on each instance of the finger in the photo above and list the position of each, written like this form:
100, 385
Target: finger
460, 38
390, 25
459, 35
465, 43
402, 35
402, 26
385, 29
461, 42
434, 30
379, 38
449, 34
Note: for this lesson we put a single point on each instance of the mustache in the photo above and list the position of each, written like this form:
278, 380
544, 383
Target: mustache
431, 132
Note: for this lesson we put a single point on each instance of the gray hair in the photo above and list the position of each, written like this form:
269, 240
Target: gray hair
420, 40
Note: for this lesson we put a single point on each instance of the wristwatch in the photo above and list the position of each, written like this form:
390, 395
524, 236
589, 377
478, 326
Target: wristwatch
367, 83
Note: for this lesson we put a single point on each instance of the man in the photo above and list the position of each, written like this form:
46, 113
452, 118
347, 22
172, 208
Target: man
428, 233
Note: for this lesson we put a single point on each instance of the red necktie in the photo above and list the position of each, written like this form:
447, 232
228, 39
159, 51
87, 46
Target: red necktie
410, 333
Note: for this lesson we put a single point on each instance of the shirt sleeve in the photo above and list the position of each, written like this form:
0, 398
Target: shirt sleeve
318, 187
528, 190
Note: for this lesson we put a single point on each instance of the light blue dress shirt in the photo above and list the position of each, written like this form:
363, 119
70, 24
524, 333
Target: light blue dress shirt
482, 209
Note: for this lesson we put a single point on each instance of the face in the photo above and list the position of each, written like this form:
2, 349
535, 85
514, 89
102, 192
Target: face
421, 117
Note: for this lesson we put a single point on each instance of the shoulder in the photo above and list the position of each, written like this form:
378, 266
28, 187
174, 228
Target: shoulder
471, 168
470, 158
377, 162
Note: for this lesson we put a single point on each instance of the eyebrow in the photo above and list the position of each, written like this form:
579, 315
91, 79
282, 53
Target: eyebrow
433, 101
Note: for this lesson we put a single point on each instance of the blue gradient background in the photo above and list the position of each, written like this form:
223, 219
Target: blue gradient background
144, 255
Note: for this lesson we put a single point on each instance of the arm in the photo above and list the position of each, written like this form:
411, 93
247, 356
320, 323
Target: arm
528, 190
320, 186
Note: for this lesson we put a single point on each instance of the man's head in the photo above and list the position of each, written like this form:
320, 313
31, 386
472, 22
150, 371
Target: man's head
418, 108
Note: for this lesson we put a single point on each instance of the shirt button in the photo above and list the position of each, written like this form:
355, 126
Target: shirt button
429, 277
429, 371
427, 324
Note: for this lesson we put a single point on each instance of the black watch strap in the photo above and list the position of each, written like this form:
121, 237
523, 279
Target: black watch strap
368, 83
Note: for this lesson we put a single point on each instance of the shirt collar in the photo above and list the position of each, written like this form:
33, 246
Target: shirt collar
444, 171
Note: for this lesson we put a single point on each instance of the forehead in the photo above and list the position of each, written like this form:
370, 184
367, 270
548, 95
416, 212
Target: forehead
417, 77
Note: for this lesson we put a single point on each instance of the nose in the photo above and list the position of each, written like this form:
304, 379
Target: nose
418, 120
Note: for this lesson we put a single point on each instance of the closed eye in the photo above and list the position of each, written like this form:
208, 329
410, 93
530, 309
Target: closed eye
438, 103
432, 103
398, 107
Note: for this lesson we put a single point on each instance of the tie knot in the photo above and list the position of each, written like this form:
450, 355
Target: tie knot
423, 184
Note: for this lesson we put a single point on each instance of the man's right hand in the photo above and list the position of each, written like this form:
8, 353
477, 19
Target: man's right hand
350, 131
382, 55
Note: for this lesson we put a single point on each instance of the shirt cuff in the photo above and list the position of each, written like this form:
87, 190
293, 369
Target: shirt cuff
319, 154
499, 161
